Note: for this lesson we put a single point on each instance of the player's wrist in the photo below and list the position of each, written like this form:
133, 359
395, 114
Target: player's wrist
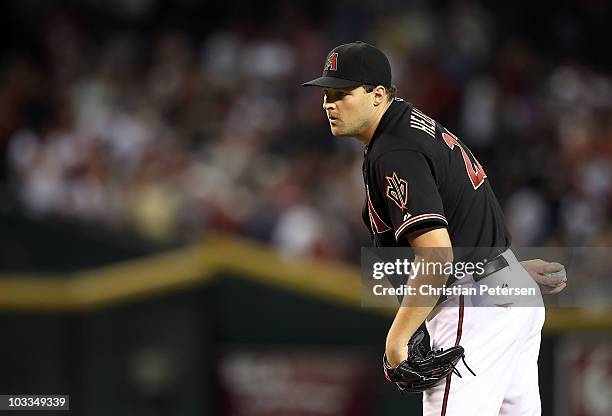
396, 354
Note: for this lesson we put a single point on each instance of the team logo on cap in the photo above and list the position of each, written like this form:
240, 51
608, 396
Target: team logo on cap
397, 191
332, 62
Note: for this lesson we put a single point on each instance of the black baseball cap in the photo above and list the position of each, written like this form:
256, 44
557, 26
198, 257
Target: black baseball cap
354, 64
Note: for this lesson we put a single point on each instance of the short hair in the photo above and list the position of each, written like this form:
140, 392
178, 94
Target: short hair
390, 91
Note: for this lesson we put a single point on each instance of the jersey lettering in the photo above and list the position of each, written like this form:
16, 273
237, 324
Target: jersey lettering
474, 170
420, 121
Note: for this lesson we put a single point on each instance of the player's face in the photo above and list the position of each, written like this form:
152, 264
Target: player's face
349, 111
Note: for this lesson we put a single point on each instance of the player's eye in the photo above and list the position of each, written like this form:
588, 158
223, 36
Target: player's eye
334, 95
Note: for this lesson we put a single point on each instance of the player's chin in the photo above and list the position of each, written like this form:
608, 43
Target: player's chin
337, 132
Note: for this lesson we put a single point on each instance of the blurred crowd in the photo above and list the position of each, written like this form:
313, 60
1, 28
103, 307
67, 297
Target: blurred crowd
173, 135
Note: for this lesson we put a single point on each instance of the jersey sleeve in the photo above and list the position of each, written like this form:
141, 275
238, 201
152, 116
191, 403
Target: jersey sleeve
406, 182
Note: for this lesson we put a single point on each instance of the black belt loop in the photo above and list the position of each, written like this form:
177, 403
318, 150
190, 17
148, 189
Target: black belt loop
491, 267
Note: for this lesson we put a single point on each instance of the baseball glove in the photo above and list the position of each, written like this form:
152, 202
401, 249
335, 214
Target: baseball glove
423, 368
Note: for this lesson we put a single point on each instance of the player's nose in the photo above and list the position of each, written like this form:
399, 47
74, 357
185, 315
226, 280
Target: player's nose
327, 105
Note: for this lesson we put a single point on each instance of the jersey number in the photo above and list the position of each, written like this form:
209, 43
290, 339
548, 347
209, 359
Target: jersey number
474, 170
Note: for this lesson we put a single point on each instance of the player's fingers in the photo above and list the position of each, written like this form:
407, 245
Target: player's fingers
550, 281
549, 290
552, 267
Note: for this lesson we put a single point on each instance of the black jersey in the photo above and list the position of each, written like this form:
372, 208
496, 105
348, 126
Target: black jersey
418, 176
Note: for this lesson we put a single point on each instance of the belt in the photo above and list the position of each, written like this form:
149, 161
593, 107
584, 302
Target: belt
494, 265
491, 267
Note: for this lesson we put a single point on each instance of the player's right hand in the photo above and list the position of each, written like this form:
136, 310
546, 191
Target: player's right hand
550, 276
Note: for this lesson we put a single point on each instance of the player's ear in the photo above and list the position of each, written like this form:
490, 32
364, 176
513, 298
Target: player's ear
380, 95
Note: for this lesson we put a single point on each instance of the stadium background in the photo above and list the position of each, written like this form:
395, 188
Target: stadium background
180, 232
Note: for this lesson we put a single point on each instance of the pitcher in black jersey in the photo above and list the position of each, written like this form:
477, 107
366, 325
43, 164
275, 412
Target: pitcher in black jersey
424, 188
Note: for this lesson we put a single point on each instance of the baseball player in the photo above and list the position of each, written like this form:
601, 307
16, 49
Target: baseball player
423, 189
